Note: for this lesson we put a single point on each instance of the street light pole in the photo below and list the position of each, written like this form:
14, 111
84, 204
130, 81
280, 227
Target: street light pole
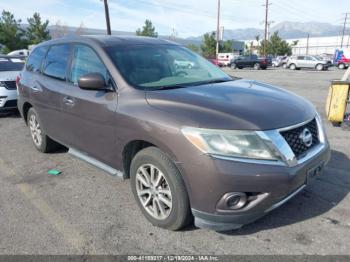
108, 23
218, 30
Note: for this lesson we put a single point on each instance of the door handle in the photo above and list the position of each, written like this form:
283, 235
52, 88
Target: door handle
68, 101
35, 88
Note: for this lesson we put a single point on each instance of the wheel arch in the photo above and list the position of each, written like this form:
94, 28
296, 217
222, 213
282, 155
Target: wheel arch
25, 108
129, 152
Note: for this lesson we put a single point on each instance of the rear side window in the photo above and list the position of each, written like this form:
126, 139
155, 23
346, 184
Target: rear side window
86, 61
35, 59
56, 61
300, 57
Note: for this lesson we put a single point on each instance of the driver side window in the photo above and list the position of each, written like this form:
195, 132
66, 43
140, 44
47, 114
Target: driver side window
85, 61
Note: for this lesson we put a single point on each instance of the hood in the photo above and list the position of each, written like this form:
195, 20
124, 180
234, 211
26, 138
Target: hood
9, 75
239, 104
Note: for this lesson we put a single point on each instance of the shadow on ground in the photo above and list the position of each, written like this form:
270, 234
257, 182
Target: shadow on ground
317, 199
10, 114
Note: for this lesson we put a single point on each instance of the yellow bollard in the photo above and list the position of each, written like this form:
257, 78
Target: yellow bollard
337, 101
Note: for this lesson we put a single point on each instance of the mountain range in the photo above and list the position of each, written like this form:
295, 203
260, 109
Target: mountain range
286, 30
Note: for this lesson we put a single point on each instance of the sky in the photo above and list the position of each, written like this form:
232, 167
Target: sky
184, 17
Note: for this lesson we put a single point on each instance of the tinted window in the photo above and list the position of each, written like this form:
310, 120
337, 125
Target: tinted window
35, 59
86, 61
300, 57
8, 65
56, 61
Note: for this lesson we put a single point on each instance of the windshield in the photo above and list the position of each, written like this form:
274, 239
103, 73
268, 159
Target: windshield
6, 65
161, 66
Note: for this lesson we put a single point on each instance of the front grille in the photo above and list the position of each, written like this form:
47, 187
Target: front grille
10, 103
297, 145
10, 85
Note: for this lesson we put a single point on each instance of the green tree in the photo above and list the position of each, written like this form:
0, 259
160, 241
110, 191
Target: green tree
193, 47
226, 46
147, 30
276, 46
208, 46
37, 30
11, 35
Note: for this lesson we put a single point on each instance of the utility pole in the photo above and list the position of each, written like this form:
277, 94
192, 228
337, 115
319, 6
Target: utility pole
108, 23
266, 25
344, 28
218, 30
307, 43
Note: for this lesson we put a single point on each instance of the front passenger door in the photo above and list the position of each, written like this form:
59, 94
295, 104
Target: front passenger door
90, 114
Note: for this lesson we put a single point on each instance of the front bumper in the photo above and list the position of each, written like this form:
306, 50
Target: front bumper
8, 99
281, 183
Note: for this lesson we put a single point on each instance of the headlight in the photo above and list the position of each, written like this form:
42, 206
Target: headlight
231, 143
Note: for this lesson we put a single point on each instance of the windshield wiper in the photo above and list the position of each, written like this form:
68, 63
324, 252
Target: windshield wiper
213, 81
171, 87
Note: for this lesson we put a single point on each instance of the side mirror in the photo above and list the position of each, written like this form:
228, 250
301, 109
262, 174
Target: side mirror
92, 81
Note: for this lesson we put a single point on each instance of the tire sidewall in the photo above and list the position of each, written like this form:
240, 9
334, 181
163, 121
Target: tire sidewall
174, 180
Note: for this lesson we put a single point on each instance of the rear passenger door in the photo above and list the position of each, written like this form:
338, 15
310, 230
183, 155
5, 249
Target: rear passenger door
90, 115
46, 90
301, 61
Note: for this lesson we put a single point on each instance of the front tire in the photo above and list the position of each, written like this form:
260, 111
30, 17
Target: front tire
41, 141
233, 66
257, 66
341, 66
159, 190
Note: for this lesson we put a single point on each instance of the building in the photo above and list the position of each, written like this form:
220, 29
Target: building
313, 46
318, 45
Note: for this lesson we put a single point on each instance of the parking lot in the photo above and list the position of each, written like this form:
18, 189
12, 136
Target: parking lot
86, 211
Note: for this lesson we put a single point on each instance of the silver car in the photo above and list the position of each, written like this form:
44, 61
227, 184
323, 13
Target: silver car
307, 61
9, 70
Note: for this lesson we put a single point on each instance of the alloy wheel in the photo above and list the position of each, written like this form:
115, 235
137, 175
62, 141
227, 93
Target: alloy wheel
153, 191
35, 130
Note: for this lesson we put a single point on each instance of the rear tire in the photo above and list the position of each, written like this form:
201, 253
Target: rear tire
233, 66
159, 190
256, 66
41, 141
293, 67
319, 67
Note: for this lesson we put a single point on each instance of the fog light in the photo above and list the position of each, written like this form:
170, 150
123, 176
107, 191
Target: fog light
236, 200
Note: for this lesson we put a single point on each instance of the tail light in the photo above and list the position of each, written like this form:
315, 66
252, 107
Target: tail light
18, 78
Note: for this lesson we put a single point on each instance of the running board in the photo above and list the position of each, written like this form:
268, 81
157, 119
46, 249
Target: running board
92, 161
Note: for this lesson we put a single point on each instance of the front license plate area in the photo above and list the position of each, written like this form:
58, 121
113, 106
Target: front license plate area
314, 173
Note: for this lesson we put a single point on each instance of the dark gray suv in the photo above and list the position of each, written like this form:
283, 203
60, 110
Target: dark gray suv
195, 142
